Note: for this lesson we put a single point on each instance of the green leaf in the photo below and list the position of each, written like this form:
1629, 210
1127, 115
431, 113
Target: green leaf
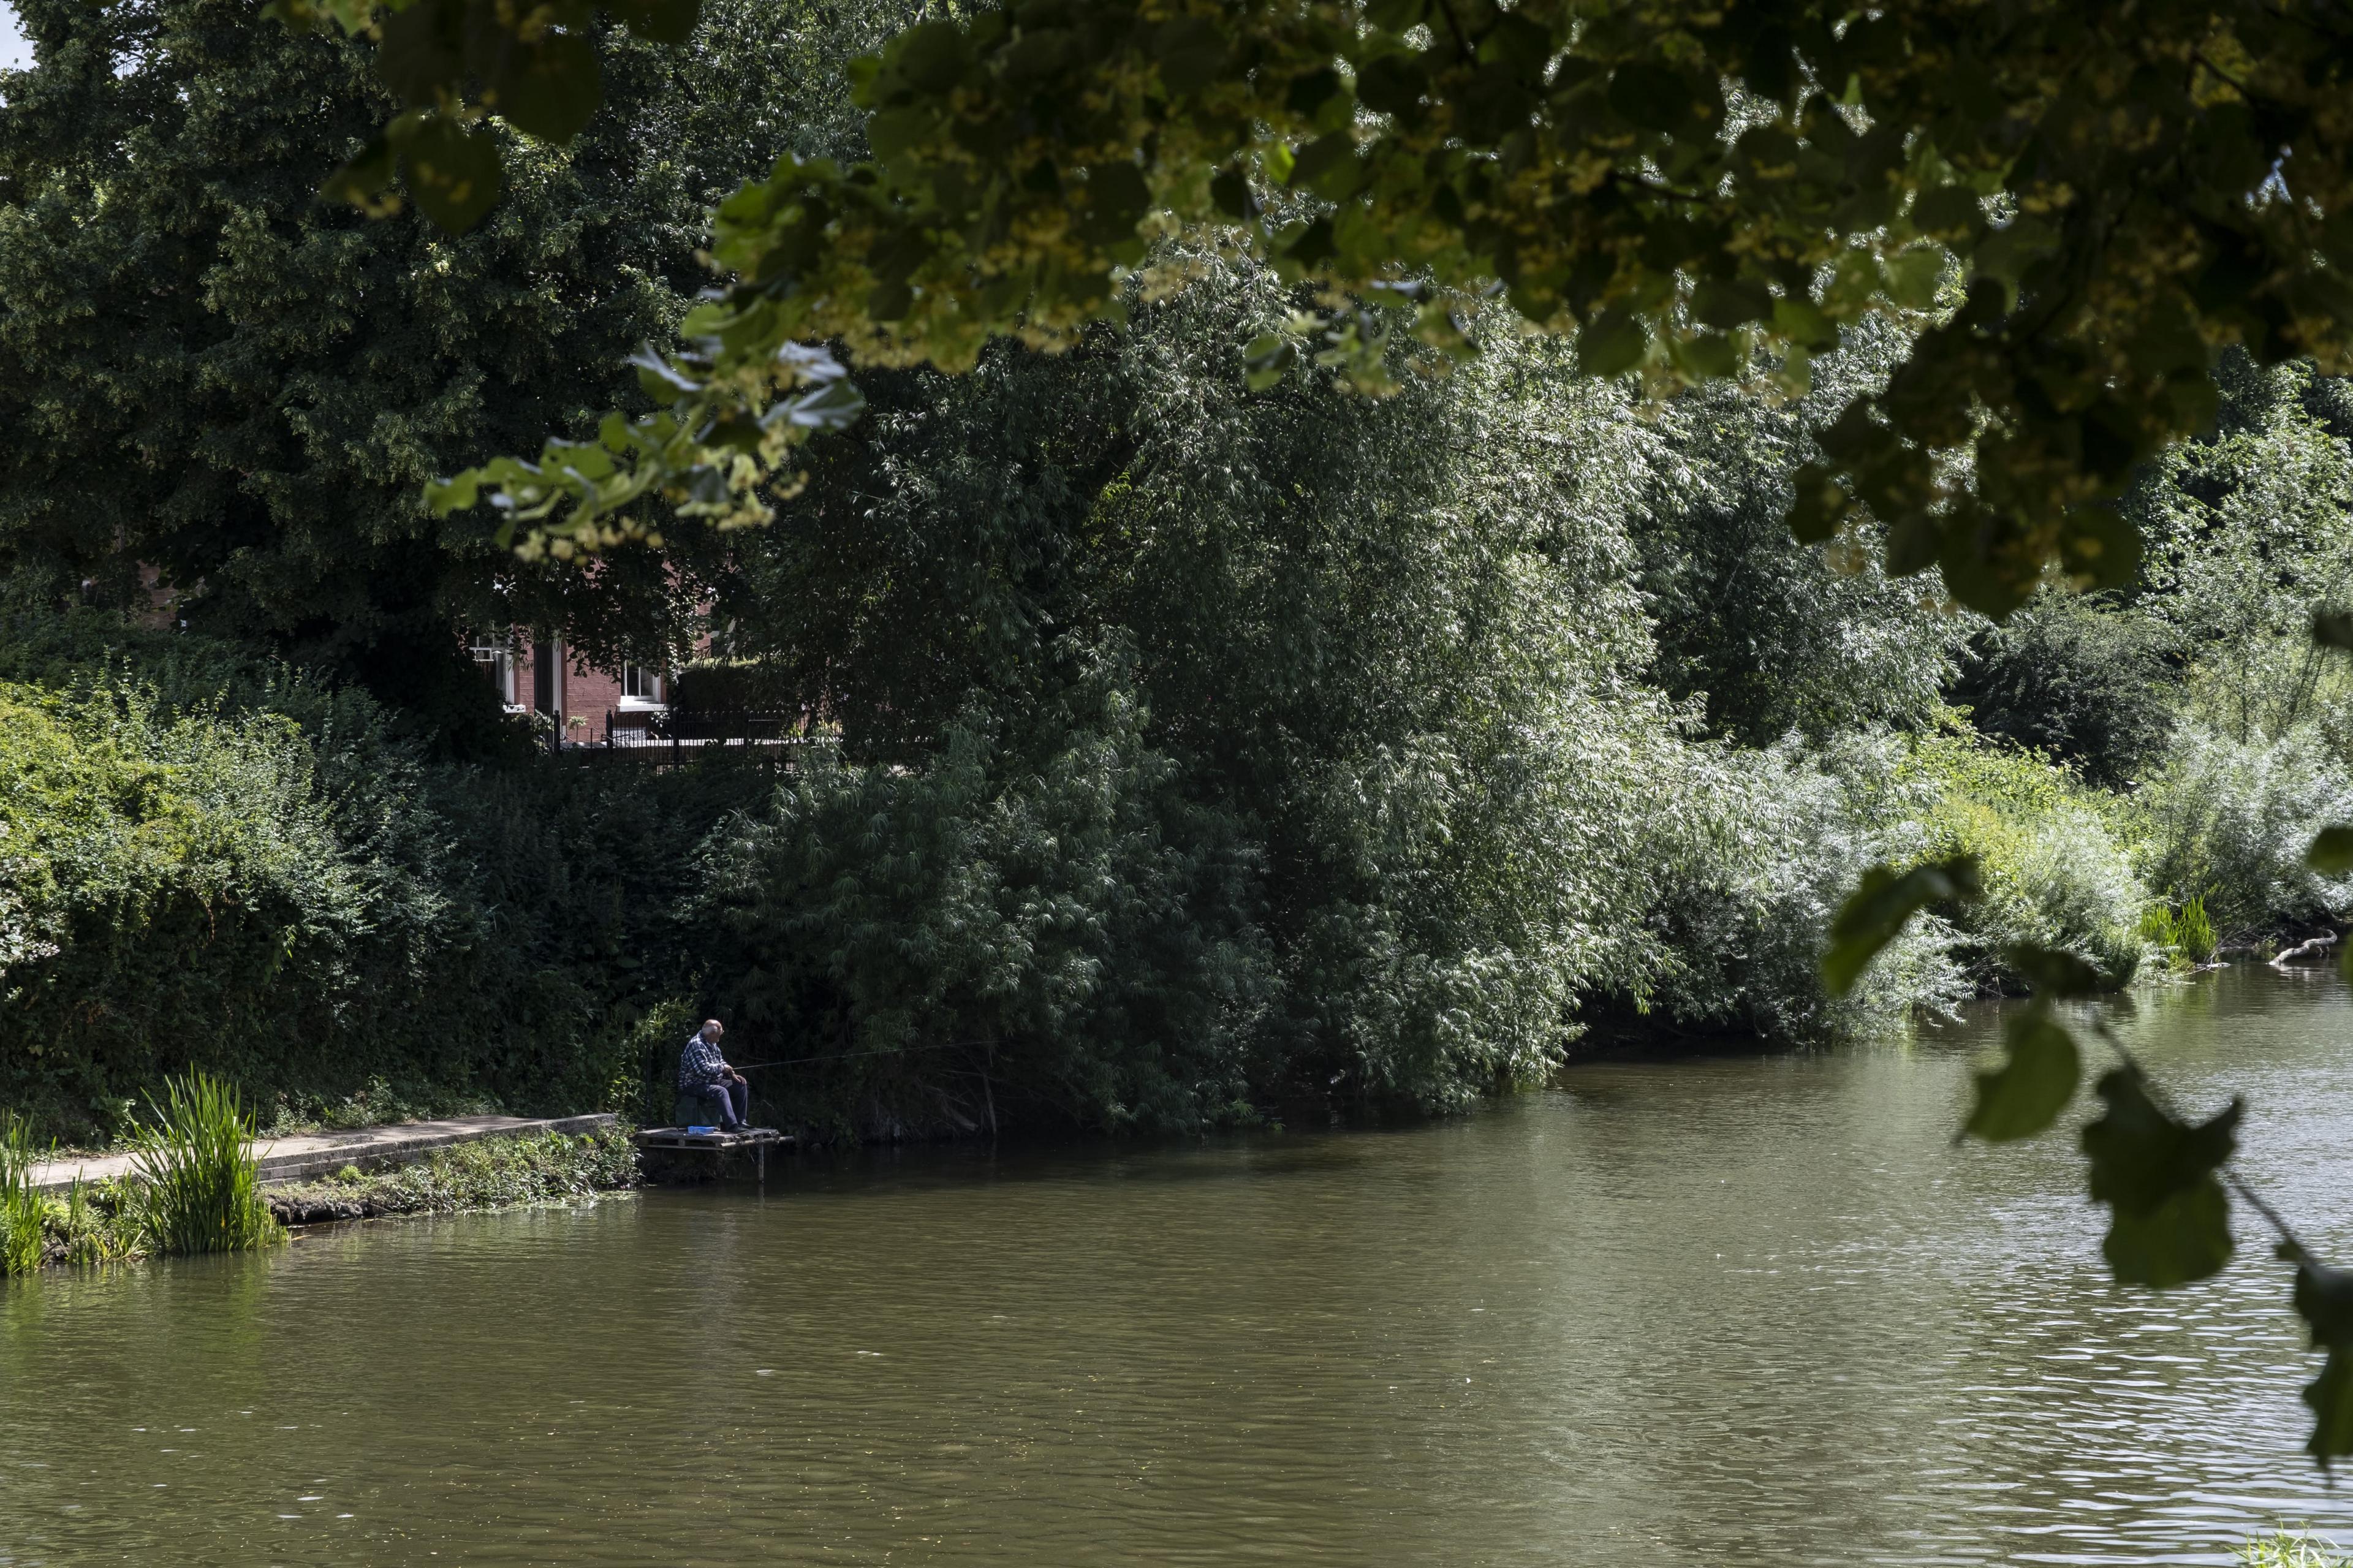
1230, 190
2100, 545
2331, 1397
2184, 1239
1949, 211
1191, 53
1822, 505
2170, 1221
2025, 1095
1879, 907
1116, 198
2055, 972
1710, 356
2331, 853
365, 181
422, 49
1729, 304
1611, 345
1802, 322
2333, 628
1913, 277
2141, 1156
550, 88
657, 21
455, 176
1266, 361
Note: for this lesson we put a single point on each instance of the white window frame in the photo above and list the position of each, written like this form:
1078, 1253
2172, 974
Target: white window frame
638, 680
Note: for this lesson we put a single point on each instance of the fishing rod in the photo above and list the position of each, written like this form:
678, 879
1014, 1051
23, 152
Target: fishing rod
845, 1056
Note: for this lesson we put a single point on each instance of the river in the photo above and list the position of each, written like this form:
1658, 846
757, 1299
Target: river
1731, 1312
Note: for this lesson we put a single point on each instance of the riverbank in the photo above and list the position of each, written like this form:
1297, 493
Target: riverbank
106, 1217
498, 1172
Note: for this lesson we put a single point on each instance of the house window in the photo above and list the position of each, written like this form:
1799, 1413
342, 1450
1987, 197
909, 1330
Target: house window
497, 659
641, 683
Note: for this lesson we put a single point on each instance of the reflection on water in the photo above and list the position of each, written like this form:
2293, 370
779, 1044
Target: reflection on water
1719, 1312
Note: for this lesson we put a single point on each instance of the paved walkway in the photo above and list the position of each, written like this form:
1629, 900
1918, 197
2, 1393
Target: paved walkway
321, 1153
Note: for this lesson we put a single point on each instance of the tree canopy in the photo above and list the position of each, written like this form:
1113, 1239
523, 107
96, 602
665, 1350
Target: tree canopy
2080, 206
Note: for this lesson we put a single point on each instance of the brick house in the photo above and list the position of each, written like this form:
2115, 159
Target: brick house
544, 676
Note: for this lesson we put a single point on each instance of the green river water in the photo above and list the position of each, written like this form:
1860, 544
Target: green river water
1740, 1311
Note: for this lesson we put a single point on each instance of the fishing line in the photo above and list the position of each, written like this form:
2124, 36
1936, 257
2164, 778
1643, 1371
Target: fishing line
845, 1056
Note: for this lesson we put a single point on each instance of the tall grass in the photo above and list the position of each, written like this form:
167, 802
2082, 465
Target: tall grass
2290, 1549
202, 1188
22, 1243
2186, 934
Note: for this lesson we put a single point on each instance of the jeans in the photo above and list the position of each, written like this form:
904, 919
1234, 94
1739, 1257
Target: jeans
732, 1100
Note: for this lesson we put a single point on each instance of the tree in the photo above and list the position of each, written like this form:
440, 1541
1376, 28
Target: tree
207, 372
1777, 636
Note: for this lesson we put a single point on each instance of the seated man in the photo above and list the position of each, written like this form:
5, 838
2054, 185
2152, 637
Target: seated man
706, 1083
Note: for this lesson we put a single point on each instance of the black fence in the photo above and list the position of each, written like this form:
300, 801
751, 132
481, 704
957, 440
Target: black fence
679, 734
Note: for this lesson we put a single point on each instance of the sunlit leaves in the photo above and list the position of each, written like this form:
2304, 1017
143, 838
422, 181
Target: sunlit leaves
2170, 1221
1875, 913
702, 453
2035, 1083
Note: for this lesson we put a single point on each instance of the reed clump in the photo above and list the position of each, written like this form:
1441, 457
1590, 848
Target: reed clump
2290, 1549
199, 1184
24, 1239
2186, 934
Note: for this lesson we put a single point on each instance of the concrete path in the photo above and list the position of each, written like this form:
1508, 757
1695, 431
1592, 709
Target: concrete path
323, 1153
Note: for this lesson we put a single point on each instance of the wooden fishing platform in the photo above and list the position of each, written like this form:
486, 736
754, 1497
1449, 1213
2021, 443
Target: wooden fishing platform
719, 1145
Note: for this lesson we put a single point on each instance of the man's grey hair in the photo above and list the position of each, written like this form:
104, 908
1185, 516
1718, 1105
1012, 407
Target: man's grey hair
710, 1024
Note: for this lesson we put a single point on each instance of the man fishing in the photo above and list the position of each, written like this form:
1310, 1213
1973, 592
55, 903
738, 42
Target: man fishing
703, 1076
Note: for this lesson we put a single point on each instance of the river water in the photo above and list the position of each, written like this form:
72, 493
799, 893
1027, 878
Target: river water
1753, 1311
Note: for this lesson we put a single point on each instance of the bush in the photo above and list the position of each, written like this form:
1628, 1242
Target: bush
2232, 820
208, 861
731, 683
2079, 679
2054, 856
1772, 842
1044, 934
491, 1172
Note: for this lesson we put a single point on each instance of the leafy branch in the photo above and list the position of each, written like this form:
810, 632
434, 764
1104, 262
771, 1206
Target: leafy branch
2165, 1179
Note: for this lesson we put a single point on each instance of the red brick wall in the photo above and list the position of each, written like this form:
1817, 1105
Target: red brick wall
590, 694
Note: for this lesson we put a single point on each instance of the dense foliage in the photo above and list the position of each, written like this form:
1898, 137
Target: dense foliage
218, 863
1684, 185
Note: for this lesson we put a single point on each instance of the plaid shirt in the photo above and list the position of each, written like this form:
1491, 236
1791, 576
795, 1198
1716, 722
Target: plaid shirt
701, 1066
